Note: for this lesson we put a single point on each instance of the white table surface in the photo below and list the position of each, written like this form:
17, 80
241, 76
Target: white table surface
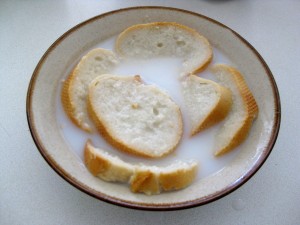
32, 193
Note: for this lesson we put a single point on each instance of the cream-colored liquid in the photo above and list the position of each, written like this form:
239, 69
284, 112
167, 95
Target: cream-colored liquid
163, 72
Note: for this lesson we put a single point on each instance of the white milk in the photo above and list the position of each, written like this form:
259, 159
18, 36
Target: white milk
163, 72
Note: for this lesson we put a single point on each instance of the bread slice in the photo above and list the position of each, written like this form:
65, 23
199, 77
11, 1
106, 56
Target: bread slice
74, 92
166, 39
105, 166
207, 102
135, 117
153, 180
244, 110
144, 179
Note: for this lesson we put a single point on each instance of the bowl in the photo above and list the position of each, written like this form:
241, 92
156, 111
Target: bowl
63, 53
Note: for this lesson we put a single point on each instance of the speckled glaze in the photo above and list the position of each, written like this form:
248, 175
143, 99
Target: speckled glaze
53, 65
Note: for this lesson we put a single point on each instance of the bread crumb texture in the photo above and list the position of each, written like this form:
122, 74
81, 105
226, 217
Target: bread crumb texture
135, 117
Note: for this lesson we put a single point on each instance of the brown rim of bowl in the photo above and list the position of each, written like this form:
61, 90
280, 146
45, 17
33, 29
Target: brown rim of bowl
144, 206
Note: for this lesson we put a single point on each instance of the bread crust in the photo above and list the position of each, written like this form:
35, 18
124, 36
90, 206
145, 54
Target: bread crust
219, 112
104, 167
251, 108
142, 179
220, 109
178, 179
202, 65
145, 181
115, 141
67, 103
69, 91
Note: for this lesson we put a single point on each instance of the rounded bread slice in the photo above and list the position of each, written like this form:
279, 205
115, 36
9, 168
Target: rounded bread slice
207, 102
142, 179
166, 39
75, 88
105, 166
135, 117
244, 110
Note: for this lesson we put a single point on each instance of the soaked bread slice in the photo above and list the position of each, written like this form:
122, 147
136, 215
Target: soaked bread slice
166, 39
106, 166
141, 178
74, 92
207, 102
244, 110
135, 117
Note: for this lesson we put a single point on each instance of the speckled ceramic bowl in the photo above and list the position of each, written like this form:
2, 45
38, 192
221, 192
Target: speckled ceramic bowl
42, 92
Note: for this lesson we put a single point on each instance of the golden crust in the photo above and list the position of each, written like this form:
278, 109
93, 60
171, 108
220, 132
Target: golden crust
67, 103
178, 179
117, 143
202, 65
251, 108
219, 111
151, 180
70, 89
144, 181
94, 163
105, 167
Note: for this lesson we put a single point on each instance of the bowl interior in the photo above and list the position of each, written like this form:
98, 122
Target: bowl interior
67, 49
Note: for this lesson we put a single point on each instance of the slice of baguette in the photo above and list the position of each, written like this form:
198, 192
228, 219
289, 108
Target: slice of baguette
207, 102
105, 166
143, 179
153, 180
244, 110
135, 117
166, 39
74, 92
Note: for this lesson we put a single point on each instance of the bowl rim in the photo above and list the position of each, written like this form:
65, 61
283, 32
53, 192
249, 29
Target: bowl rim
148, 206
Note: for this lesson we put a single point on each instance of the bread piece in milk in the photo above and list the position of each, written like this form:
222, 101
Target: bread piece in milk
206, 101
244, 109
166, 39
74, 92
141, 178
133, 116
154, 180
106, 166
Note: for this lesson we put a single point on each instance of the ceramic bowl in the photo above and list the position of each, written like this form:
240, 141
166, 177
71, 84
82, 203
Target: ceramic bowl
45, 130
